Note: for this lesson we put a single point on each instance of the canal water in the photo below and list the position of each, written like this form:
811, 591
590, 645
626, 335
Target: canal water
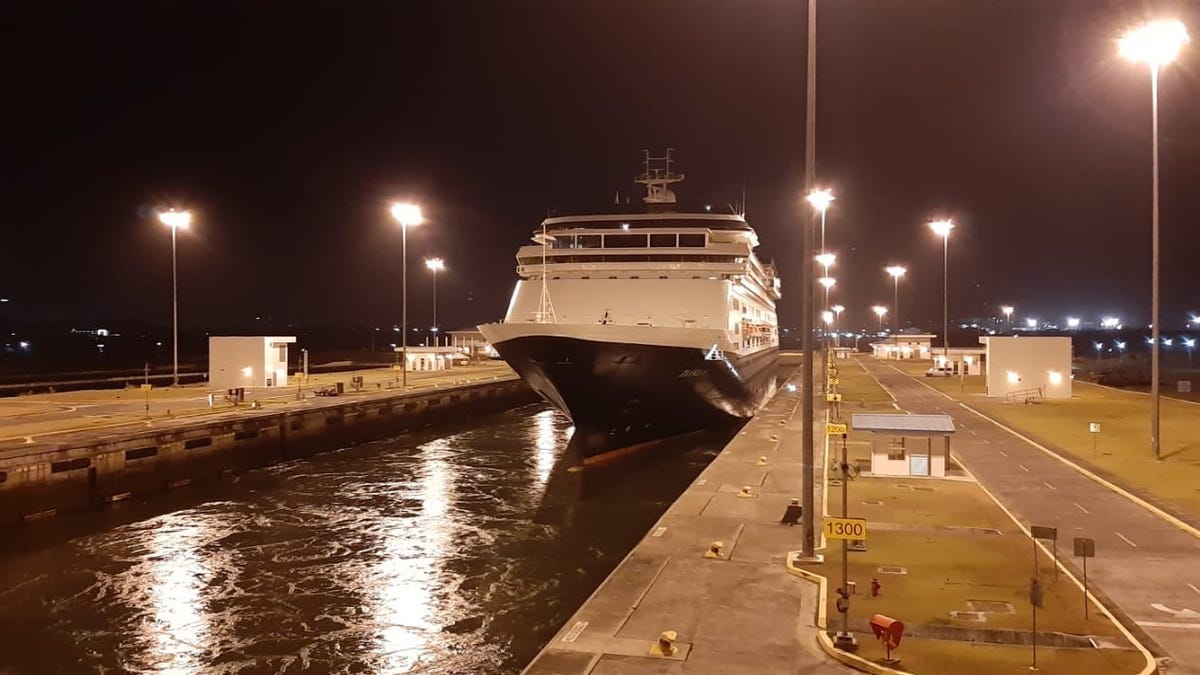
457, 551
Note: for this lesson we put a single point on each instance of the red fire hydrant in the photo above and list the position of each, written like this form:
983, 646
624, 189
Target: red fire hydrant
875, 587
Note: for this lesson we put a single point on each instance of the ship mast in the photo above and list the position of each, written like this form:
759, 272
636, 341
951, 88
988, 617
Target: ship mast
545, 311
656, 179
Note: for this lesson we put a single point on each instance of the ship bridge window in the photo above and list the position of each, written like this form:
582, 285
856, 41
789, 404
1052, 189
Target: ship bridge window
589, 241
625, 241
692, 240
662, 240
563, 241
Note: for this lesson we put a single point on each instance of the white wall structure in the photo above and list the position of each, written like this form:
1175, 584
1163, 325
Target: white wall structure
962, 360
241, 361
1020, 366
904, 346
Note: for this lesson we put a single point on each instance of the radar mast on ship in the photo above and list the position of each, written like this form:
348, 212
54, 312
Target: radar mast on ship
657, 178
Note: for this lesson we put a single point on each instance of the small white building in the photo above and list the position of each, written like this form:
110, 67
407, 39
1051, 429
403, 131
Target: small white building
907, 445
1028, 367
431, 358
242, 361
904, 346
961, 360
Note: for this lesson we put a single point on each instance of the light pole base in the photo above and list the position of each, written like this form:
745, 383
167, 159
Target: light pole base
845, 642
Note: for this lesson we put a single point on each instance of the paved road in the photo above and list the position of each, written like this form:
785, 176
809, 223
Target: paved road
1148, 567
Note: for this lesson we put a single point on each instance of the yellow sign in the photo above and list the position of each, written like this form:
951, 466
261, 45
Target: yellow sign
833, 382
832, 372
147, 386
846, 528
835, 429
833, 397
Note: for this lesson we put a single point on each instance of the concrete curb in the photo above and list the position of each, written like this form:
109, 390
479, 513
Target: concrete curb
853, 660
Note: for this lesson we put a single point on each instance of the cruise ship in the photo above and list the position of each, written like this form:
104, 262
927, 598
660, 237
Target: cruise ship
639, 326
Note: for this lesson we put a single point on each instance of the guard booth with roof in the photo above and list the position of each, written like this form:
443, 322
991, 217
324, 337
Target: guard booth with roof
907, 445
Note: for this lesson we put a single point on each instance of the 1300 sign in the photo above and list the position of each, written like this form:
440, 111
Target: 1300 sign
846, 528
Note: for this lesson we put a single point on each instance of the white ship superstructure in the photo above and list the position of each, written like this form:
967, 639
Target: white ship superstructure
613, 312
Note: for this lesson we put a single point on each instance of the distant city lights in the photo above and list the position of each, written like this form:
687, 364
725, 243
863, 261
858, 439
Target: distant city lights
1031, 323
1072, 322
1110, 322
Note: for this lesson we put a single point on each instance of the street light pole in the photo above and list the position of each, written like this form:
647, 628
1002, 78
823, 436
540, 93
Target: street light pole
175, 220
896, 271
943, 227
1155, 44
807, 470
405, 214
435, 265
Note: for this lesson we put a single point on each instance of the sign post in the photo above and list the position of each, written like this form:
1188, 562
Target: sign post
1085, 548
1040, 532
1035, 601
1094, 428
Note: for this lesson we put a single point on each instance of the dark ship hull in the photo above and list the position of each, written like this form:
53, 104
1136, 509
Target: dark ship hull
620, 395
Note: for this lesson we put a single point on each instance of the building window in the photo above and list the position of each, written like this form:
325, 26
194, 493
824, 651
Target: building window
625, 241
896, 454
662, 240
589, 241
692, 240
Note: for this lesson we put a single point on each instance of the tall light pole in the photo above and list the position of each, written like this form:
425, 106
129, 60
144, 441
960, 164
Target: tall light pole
896, 271
435, 265
175, 220
942, 228
1155, 44
807, 469
820, 200
407, 215
1008, 310
880, 311
837, 318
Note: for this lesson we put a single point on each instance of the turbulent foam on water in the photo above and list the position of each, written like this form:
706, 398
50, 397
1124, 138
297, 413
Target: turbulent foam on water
459, 553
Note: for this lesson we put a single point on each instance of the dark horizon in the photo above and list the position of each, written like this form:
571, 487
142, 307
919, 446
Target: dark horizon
288, 129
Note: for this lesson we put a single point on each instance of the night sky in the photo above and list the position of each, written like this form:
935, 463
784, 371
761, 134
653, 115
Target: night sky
288, 127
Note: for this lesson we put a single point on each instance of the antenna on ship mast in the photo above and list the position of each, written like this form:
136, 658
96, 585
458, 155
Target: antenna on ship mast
656, 180
545, 311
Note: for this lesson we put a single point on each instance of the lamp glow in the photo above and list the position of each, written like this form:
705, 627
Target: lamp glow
1007, 310
896, 271
820, 199
941, 227
1072, 322
435, 264
1031, 323
827, 282
1054, 377
407, 214
175, 219
879, 310
1155, 44
1012, 377
826, 260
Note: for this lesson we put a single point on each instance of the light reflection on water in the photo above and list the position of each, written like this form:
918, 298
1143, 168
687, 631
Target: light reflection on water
454, 553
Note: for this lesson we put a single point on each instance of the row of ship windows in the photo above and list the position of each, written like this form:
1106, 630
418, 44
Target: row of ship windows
671, 240
655, 257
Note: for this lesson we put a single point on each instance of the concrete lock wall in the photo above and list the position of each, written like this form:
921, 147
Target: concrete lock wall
1021, 364
111, 467
244, 361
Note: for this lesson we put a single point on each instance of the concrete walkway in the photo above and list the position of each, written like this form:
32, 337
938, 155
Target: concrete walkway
740, 613
26, 421
1146, 566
